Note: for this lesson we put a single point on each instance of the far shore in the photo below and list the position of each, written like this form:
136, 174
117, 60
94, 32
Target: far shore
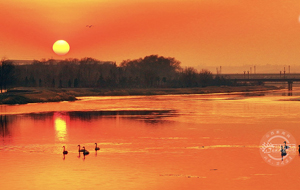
22, 95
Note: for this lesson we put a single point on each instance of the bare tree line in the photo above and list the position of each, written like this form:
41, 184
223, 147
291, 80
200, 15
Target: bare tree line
149, 72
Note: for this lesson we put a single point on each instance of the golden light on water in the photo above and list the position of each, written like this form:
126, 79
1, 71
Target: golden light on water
60, 124
210, 140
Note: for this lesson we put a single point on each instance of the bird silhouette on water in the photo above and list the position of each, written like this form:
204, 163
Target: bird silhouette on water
96, 148
65, 152
85, 152
80, 150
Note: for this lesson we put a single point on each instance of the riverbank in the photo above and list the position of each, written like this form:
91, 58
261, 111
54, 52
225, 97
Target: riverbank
37, 95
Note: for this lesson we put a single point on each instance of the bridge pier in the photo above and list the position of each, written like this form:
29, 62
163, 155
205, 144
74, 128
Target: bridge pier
290, 85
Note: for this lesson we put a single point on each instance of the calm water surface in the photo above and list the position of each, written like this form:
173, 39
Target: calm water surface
148, 142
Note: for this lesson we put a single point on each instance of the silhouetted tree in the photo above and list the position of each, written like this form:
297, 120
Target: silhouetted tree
69, 83
6, 74
76, 83
150, 70
205, 78
26, 81
189, 77
60, 84
40, 82
53, 83
32, 81
101, 82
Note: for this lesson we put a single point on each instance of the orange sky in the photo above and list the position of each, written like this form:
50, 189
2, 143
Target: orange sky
195, 32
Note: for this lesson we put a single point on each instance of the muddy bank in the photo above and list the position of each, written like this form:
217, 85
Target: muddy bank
39, 95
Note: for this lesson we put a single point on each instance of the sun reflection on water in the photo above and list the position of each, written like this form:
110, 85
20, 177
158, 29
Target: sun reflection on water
60, 124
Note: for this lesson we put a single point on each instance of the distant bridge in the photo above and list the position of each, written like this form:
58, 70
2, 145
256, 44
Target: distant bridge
261, 78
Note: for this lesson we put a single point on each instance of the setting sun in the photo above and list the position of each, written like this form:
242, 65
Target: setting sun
61, 47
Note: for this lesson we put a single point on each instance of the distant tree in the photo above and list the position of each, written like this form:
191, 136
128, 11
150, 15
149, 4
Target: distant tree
69, 83
101, 82
60, 84
123, 82
157, 81
205, 78
40, 82
189, 77
53, 83
163, 81
150, 70
76, 83
26, 81
6, 74
32, 81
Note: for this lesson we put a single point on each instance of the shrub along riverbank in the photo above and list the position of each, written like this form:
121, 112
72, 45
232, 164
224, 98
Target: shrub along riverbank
36, 95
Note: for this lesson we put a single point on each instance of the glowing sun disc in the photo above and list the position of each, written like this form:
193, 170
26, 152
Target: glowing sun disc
61, 47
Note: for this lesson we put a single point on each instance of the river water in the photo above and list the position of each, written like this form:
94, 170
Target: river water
173, 142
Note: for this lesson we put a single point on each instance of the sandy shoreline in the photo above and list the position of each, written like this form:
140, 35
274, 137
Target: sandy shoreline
35, 95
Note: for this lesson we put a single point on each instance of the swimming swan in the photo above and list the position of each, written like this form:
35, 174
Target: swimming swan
65, 152
80, 150
85, 152
96, 148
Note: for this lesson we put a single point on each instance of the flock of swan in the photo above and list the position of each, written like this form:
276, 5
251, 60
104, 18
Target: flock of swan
86, 152
83, 150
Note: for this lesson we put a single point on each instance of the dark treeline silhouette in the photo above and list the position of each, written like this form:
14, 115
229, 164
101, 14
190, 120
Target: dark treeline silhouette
149, 72
7, 75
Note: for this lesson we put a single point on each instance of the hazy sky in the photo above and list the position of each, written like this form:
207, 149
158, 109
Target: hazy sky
202, 32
